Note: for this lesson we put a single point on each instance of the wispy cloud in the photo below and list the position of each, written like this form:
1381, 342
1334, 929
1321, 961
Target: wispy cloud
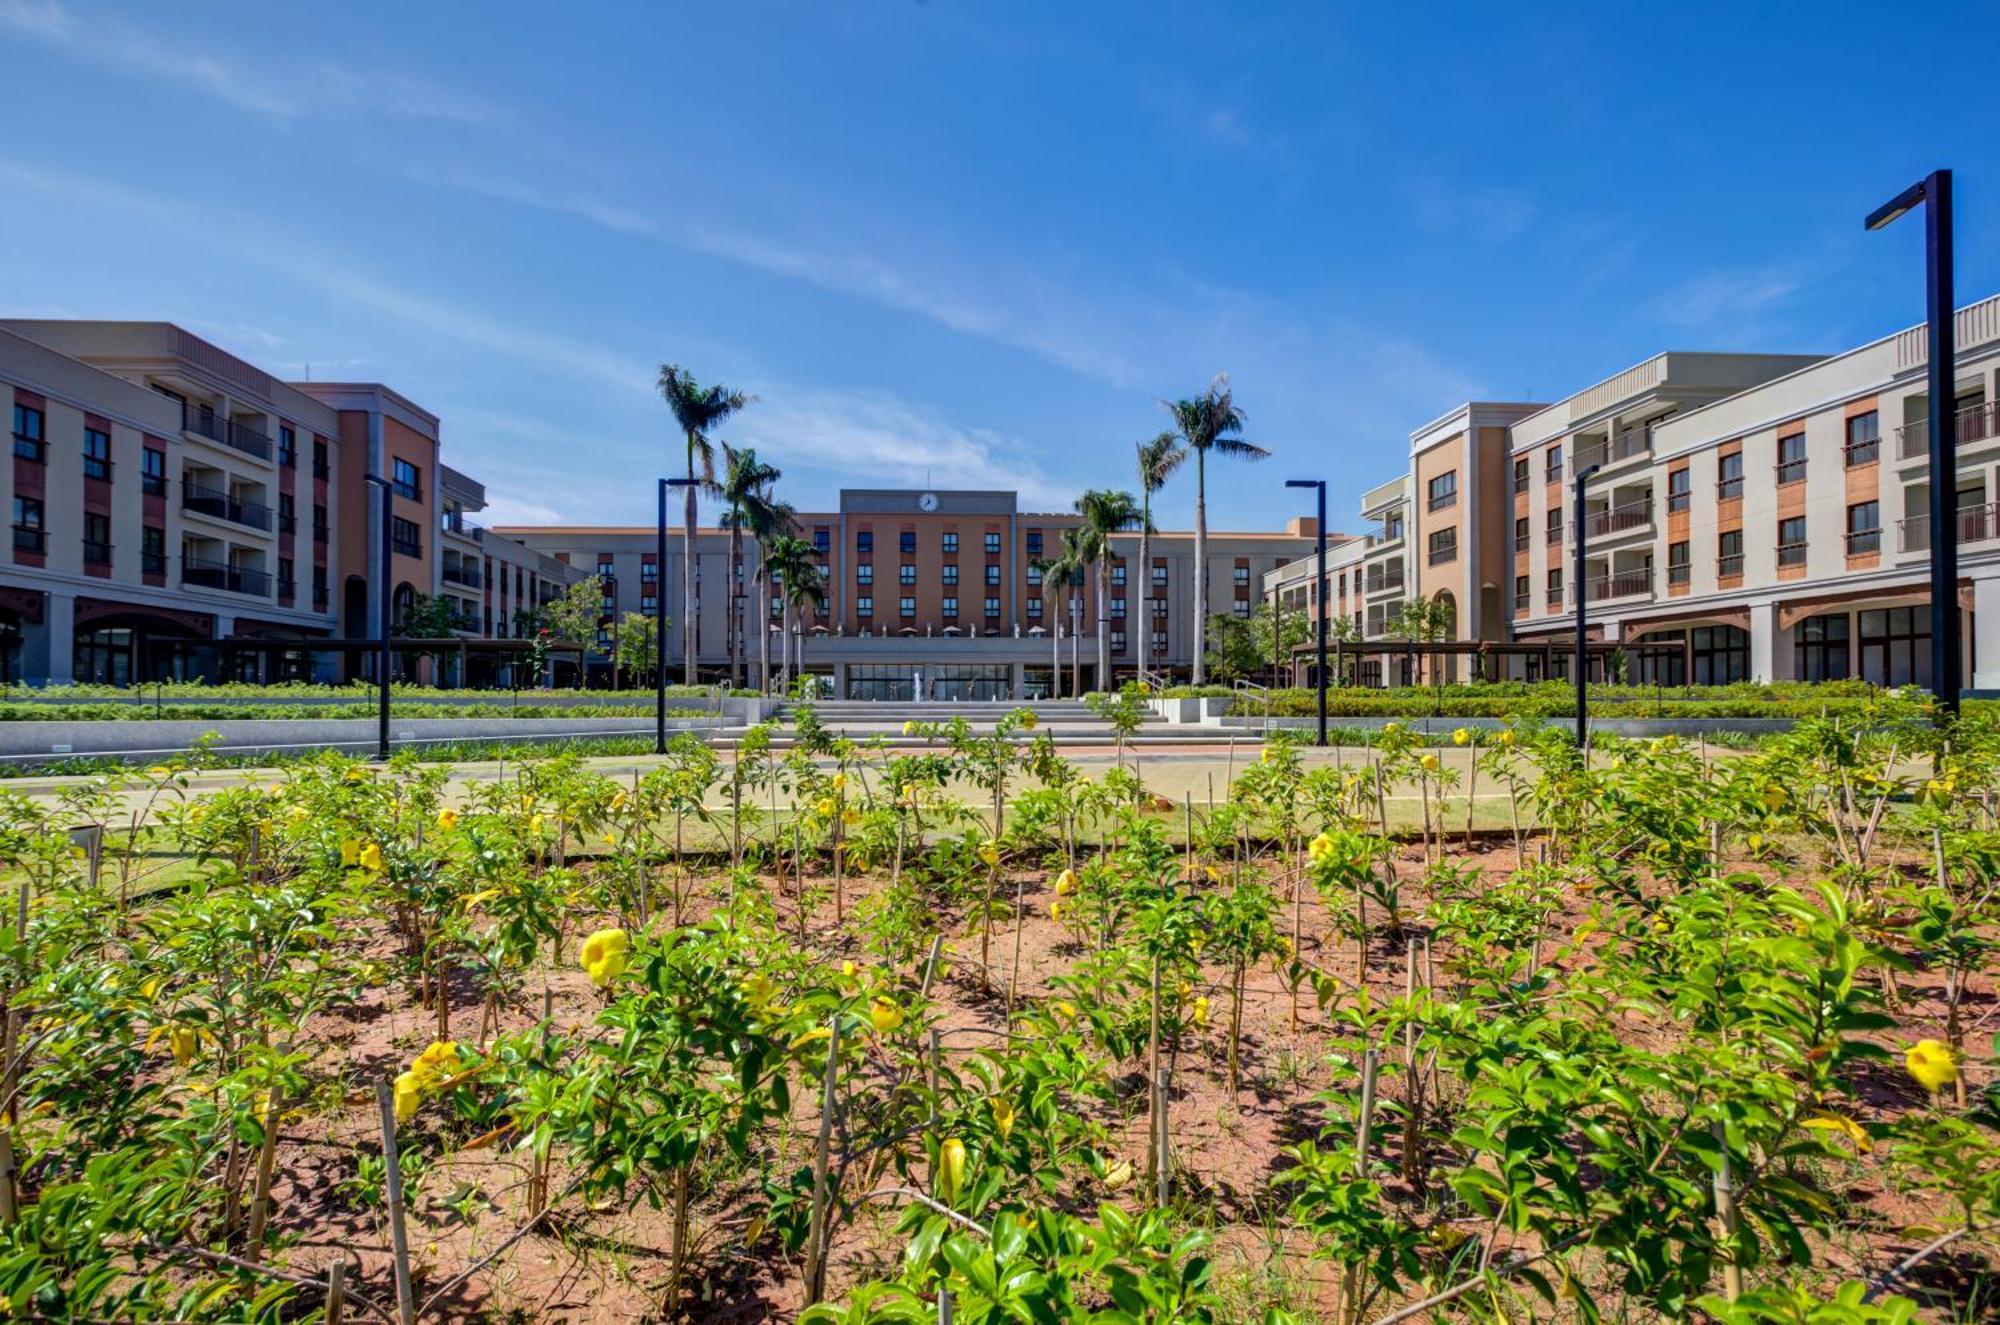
1726, 302
276, 89
1492, 213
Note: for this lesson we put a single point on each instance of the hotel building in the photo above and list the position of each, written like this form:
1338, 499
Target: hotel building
1759, 517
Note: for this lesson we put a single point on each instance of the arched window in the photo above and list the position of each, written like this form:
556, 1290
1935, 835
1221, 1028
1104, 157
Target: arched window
401, 604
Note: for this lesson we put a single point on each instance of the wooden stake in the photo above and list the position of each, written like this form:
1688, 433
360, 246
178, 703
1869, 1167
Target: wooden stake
816, 1238
392, 1183
336, 1293
1725, 1210
267, 1162
931, 963
1163, 1161
1370, 1061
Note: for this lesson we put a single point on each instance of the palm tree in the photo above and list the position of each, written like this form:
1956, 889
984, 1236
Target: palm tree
697, 409
743, 486
1068, 570
1105, 512
794, 565
1158, 459
1204, 423
767, 520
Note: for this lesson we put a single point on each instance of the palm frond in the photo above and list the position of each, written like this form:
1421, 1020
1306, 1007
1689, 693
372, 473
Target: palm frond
1158, 459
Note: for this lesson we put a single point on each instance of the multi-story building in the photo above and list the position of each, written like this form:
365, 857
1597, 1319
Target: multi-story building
178, 511
1736, 516
940, 585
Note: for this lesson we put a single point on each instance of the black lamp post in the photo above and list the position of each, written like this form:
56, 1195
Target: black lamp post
1582, 610
660, 634
1933, 191
383, 618
1319, 590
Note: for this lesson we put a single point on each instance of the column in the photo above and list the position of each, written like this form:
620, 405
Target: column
1764, 642
1018, 679
59, 628
1985, 633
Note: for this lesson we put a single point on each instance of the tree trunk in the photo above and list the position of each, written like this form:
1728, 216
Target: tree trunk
689, 611
763, 624
1104, 607
1144, 594
735, 631
1201, 562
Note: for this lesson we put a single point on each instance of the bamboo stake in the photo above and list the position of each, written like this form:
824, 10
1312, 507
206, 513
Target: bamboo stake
1163, 1171
392, 1182
267, 1161
1725, 1210
931, 963
816, 1241
1370, 1061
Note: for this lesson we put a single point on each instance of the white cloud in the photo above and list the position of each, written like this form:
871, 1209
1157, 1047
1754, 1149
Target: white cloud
282, 90
1726, 302
504, 510
1492, 213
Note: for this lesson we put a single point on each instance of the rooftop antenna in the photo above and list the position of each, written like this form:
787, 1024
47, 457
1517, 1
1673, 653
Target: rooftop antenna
309, 372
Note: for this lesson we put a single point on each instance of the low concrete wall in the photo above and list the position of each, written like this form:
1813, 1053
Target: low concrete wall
1430, 726
35, 742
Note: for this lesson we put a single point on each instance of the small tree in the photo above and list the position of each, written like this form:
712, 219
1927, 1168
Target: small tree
573, 617
1423, 621
635, 643
1243, 646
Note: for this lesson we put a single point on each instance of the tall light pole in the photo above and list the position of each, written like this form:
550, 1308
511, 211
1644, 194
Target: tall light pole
1933, 191
383, 617
1319, 591
660, 634
1582, 609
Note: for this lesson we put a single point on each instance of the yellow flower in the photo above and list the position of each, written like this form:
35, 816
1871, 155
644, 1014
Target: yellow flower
159, 772
356, 774
885, 1014
605, 954
535, 826
859, 864
436, 1063
1066, 1010
839, 782
298, 814
371, 858
409, 1094
1320, 848
1214, 874
1055, 910
850, 817
350, 854
1774, 797
951, 1168
447, 819
1028, 721
1932, 1063
990, 852
910, 727
1201, 1011
182, 1041
849, 970
1118, 1175
618, 802
824, 809
1506, 738
1003, 1117
1389, 727
1461, 737
1065, 883
813, 1036
758, 989
1145, 688
1430, 763
1847, 1127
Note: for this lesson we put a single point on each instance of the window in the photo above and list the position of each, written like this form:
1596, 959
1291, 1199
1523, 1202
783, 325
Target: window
29, 535
1680, 565
1729, 554
948, 606
907, 606
1864, 442
320, 529
97, 454
1159, 641
1159, 577
649, 572
1896, 646
406, 481
1034, 577
864, 573
1792, 458
907, 541
822, 539
993, 543
1240, 575
1729, 481
288, 447
1118, 641
1553, 470
1792, 541
1679, 488
1520, 473
864, 606
993, 574
1118, 607
288, 514
1444, 491
319, 458
1117, 575
951, 540
1034, 609
153, 551
649, 604
1820, 648
906, 574
1159, 607
29, 443
993, 607
1721, 654
406, 537
96, 538
864, 540
288, 583
1034, 542
319, 591
1241, 607
1864, 528
1523, 593
1555, 526
153, 471
1554, 587
1521, 533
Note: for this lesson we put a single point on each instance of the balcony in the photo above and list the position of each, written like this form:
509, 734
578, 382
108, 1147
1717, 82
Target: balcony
1621, 584
1622, 446
1620, 519
30, 538
203, 421
220, 575
1383, 581
1976, 423
1862, 542
1381, 497
1976, 524
220, 505
463, 575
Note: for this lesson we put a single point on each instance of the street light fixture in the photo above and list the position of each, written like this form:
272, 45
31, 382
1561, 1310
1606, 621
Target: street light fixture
660, 634
1933, 192
1582, 609
1318, 485
382, 618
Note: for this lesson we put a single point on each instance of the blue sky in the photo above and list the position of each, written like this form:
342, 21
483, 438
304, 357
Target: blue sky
979, 241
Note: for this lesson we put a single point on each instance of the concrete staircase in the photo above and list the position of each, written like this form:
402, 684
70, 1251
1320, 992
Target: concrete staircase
1068, 720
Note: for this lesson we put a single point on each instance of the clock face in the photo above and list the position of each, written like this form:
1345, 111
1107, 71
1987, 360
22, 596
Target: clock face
927, 502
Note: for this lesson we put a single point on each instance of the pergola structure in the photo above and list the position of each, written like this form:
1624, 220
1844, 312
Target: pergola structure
272, 651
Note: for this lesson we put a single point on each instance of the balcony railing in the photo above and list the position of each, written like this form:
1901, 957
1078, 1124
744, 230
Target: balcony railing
96, 553
1975, 423
287, 588
1623, 446
1861, 542
1678, 575
1618, 519
221, 575
1442, 555
1554, 535
1553, 600
1621, 584
1442, 501
219, 504
30, 538
203, 421
1729, 567
153, 563
321, 533
1522, 542
319, 600
1791, 471
1381, 582
1791, 554
467, 576
1522, 602
1976, 524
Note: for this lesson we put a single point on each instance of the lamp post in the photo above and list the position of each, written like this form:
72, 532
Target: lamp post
1933, 191
1582, 610
1319, 590
382, 619
660, 635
